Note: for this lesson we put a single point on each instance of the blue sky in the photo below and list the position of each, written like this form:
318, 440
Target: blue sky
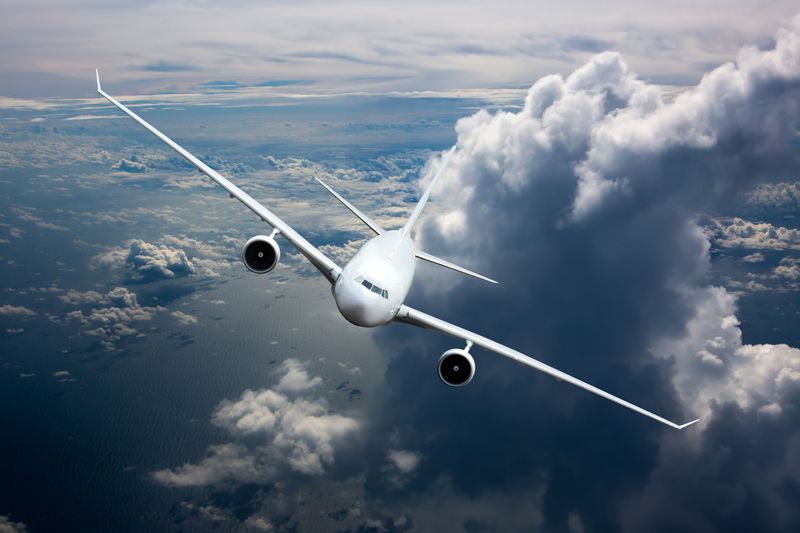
630, 178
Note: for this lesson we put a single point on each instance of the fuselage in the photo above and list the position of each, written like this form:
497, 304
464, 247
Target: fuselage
376, 281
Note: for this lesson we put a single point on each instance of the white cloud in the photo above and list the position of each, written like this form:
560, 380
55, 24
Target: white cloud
170, 257
114, 321
16, 310
740, 233
714, 365
184, 319
296, 377
405, 461
775, 195
755, 257
224, 461
283, 435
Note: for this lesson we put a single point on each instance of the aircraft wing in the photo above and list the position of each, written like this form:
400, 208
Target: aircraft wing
418, 318
322, 262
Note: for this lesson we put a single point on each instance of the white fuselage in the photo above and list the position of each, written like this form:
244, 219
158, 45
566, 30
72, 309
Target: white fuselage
376, 281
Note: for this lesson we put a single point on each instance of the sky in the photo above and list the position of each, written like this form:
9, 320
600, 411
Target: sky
629, 176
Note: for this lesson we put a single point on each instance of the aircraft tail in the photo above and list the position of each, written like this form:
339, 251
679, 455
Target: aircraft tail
424, 199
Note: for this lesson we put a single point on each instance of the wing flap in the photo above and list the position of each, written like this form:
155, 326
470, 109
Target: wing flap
418, 318
323, 263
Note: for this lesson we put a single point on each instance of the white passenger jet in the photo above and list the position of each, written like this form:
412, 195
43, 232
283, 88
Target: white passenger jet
370, 290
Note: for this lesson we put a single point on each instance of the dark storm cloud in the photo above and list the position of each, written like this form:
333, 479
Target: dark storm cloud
585, 205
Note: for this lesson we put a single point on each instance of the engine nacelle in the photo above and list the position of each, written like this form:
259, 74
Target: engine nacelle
456, 367
261, 254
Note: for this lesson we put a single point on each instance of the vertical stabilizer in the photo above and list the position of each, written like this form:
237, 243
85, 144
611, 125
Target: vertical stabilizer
422, 201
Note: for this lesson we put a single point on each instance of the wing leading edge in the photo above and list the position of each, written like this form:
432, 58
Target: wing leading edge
418, 318
323, 263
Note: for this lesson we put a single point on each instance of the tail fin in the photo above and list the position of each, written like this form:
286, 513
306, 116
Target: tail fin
422, 201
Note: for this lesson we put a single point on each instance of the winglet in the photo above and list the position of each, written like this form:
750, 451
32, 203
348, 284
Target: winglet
97, 73
687, 424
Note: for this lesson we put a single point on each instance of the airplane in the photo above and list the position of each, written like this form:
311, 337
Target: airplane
370, 290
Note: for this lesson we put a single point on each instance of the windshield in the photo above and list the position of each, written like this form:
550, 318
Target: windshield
383, 293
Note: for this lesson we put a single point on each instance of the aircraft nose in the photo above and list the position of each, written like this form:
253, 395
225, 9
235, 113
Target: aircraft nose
353, 304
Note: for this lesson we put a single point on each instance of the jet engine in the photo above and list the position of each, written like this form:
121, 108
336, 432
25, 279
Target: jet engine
261, 254
456, 367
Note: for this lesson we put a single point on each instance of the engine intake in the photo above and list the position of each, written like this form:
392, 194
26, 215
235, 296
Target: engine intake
456, 367
261, 254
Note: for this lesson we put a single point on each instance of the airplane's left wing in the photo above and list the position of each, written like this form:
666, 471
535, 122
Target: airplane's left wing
322, 262
418, 318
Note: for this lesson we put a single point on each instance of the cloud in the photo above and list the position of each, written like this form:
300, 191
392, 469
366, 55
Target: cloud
740, 233
27, 214
8, 526
112, 322
127, 165
167, 66
170, 257
714, 366
783, 196
296, 378
587, 204
755, 257
184, 319
405, 461
16, 310
276, 434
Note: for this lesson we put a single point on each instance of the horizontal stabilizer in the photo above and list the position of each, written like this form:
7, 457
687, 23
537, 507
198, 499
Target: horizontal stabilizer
357, 212
447, 264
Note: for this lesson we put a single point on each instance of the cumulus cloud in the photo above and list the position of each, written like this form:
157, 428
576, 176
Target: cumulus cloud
740, 233
296, 377
111, 316
755, 257
587, 203
9, 526
130, 165
16, 310
276, 434
170, 257
783, 196
715, 366
405, 461
184, 319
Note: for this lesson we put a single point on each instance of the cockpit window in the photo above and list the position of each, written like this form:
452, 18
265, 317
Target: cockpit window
383, 293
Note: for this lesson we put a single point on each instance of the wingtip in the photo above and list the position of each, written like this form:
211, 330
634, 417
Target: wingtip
97, 75
687, 424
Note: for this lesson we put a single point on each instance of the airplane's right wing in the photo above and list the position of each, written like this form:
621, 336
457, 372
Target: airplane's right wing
322, 262
418, 318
